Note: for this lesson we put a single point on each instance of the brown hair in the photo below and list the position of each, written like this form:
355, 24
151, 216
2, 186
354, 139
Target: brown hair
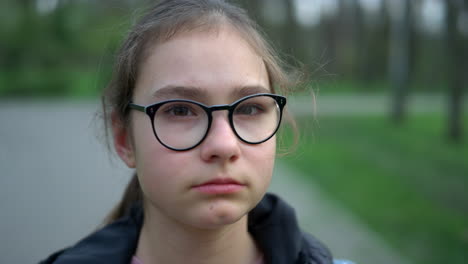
161, 23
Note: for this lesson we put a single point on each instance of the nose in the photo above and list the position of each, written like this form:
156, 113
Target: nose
221, 144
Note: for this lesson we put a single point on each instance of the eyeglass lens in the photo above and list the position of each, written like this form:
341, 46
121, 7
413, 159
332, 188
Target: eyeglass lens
182, 125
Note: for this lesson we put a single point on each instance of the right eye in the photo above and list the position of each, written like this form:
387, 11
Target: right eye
179, 110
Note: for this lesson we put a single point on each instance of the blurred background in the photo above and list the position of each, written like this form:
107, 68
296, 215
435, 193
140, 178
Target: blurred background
385, 138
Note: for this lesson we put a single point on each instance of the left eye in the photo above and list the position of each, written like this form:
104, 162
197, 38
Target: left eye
248, 109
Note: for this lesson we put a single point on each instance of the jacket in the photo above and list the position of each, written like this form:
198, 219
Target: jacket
272, 224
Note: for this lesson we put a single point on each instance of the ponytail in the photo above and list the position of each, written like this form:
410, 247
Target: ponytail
131, 195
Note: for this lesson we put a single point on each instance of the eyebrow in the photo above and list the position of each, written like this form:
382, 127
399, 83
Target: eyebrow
172, 92
198, 94
249, 90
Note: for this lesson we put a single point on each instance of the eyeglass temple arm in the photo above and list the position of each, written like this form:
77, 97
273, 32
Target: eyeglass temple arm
137, 107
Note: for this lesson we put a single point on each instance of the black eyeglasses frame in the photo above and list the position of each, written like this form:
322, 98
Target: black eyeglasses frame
150, 110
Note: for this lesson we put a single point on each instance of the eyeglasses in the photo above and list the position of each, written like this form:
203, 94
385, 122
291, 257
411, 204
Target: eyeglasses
183, 124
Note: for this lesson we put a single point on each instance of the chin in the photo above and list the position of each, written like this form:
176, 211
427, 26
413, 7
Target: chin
219, 214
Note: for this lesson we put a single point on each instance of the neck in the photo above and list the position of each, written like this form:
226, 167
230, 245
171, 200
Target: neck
163, 241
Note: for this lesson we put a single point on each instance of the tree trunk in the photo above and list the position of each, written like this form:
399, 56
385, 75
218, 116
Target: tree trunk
291, 41
360, 42
456, 52
399, 61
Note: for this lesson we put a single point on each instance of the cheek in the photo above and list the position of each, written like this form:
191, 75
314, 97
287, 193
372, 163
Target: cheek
262, 160
161, 177
153, 161
158, 168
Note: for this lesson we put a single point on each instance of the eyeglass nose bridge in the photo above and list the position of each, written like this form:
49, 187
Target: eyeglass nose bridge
214, 108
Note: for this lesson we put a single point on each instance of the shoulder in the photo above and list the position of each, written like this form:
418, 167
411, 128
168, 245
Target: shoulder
274, 226
318, 253
314, 251
115, 243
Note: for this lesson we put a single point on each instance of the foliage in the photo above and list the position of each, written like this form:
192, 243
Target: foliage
65, 52
54, 52
407, 183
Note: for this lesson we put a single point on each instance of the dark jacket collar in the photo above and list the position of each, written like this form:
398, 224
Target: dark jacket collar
272, 223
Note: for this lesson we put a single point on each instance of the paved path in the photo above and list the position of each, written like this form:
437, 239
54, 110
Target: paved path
57, 182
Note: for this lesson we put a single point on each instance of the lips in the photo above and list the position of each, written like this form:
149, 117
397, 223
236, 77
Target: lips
219, 186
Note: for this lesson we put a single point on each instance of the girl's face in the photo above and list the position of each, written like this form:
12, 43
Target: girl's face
216, 67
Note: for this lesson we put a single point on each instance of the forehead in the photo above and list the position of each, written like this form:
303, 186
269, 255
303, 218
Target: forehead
216, 63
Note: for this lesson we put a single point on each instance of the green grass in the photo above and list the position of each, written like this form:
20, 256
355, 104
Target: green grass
408, 183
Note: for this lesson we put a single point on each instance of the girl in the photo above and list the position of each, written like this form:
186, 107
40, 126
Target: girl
193, 109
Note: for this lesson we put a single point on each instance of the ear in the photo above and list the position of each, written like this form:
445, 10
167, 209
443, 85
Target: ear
122, 142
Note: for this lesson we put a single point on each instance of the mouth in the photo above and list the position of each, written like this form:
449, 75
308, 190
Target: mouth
220, 186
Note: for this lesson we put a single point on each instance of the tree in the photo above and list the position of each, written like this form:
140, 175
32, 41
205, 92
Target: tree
291, 43
360, 42
399, 60
456, 55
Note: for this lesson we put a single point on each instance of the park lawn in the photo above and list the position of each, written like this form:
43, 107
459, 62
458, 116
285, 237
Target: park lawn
408, 183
